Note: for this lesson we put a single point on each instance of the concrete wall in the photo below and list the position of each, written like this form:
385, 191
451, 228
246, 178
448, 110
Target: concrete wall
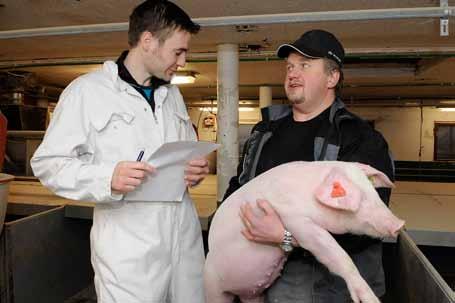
209, 133
401, 126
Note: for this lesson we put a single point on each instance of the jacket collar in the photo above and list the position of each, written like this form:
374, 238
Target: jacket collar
278, 111
126, 76
335, 107
275, 112
112, 69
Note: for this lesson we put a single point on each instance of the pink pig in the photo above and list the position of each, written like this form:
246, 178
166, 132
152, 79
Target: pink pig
312, 199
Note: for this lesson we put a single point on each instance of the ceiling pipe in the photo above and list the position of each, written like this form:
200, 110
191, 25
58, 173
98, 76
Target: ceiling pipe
194, 102
209, 57
419, 84
354, 102
346, 15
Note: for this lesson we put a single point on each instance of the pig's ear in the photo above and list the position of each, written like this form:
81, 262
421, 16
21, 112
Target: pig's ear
337, 191
378, 178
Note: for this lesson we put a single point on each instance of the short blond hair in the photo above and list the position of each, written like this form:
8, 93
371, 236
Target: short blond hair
330, 66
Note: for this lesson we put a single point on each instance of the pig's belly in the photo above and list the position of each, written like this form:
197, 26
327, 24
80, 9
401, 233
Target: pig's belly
248, 268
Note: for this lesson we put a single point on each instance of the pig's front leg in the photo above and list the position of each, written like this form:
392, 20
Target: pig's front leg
325, 248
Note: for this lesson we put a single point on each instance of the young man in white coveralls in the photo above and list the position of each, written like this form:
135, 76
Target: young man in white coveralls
142, 252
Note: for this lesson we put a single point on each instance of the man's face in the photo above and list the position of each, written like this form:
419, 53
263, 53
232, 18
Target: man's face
306, 80
166, 57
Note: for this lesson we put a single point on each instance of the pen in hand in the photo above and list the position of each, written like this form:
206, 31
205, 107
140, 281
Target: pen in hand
139, 157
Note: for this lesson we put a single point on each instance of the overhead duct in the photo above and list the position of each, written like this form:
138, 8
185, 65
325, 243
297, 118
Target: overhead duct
443, 12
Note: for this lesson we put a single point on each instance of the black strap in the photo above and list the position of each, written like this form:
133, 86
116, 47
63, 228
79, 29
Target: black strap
324, 144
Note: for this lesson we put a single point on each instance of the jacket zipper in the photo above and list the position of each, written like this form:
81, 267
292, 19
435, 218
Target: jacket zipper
156, 119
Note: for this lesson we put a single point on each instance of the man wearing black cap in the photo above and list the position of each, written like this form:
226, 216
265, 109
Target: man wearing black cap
316, 127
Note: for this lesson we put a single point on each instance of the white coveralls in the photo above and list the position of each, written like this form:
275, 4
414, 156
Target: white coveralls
141, 252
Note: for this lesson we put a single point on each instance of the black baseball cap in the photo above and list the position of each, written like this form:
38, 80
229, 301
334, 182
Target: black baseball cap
315, 44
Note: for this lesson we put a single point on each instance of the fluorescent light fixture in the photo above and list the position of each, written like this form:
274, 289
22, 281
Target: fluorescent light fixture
208, 109
412, 103
184, 77
246, 109
214, 109
447, 109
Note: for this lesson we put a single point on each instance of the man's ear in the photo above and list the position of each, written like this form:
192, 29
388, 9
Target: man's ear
148, 41
337, 191
334, 77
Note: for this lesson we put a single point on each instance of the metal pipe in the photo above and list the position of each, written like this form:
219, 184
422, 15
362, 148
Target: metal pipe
346, 15
209, 57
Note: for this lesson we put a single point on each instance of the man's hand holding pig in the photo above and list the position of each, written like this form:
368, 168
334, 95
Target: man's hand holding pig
266, 228
128, 175
195, 171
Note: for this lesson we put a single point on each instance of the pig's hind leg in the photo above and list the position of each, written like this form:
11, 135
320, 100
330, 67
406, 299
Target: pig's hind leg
214, 292
325, 248
259, 299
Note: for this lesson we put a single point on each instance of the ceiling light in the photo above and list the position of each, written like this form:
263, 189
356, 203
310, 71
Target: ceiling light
208, 109
246, 109
184, 77
412, 103
214, 109
447, 109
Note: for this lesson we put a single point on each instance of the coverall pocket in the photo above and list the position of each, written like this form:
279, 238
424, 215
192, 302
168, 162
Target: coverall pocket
115, 132
112, 120
184, 126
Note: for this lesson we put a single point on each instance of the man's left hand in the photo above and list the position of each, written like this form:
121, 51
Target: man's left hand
195, 171
266, 228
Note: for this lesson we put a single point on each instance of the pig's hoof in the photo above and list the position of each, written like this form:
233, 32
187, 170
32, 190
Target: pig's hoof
362, 294
368, 296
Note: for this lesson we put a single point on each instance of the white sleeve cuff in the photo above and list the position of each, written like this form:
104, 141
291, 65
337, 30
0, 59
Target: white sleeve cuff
105, 194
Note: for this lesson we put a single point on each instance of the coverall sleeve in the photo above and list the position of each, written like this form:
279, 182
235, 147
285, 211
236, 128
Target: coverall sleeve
64, 162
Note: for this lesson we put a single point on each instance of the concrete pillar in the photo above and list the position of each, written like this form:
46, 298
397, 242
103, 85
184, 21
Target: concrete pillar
265, 96
228, 115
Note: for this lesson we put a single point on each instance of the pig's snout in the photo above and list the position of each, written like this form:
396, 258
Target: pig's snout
389, 226
386, 224
396, 226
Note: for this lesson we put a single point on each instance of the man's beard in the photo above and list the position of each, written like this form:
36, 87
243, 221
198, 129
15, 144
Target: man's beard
295, 101
294, 97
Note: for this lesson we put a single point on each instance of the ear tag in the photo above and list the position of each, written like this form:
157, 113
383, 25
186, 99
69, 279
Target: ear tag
337, 190
371, 179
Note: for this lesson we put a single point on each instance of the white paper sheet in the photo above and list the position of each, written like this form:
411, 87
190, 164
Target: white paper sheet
167, 184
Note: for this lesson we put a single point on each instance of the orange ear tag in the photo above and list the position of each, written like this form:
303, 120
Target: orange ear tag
337, 190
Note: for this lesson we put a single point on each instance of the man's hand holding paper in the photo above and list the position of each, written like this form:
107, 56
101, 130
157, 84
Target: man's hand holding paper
178, 165
195, 171
128, 175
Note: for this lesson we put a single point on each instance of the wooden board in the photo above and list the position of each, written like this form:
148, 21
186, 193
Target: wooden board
33, 192
425, 206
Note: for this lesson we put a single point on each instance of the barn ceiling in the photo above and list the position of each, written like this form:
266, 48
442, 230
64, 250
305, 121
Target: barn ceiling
389, 61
